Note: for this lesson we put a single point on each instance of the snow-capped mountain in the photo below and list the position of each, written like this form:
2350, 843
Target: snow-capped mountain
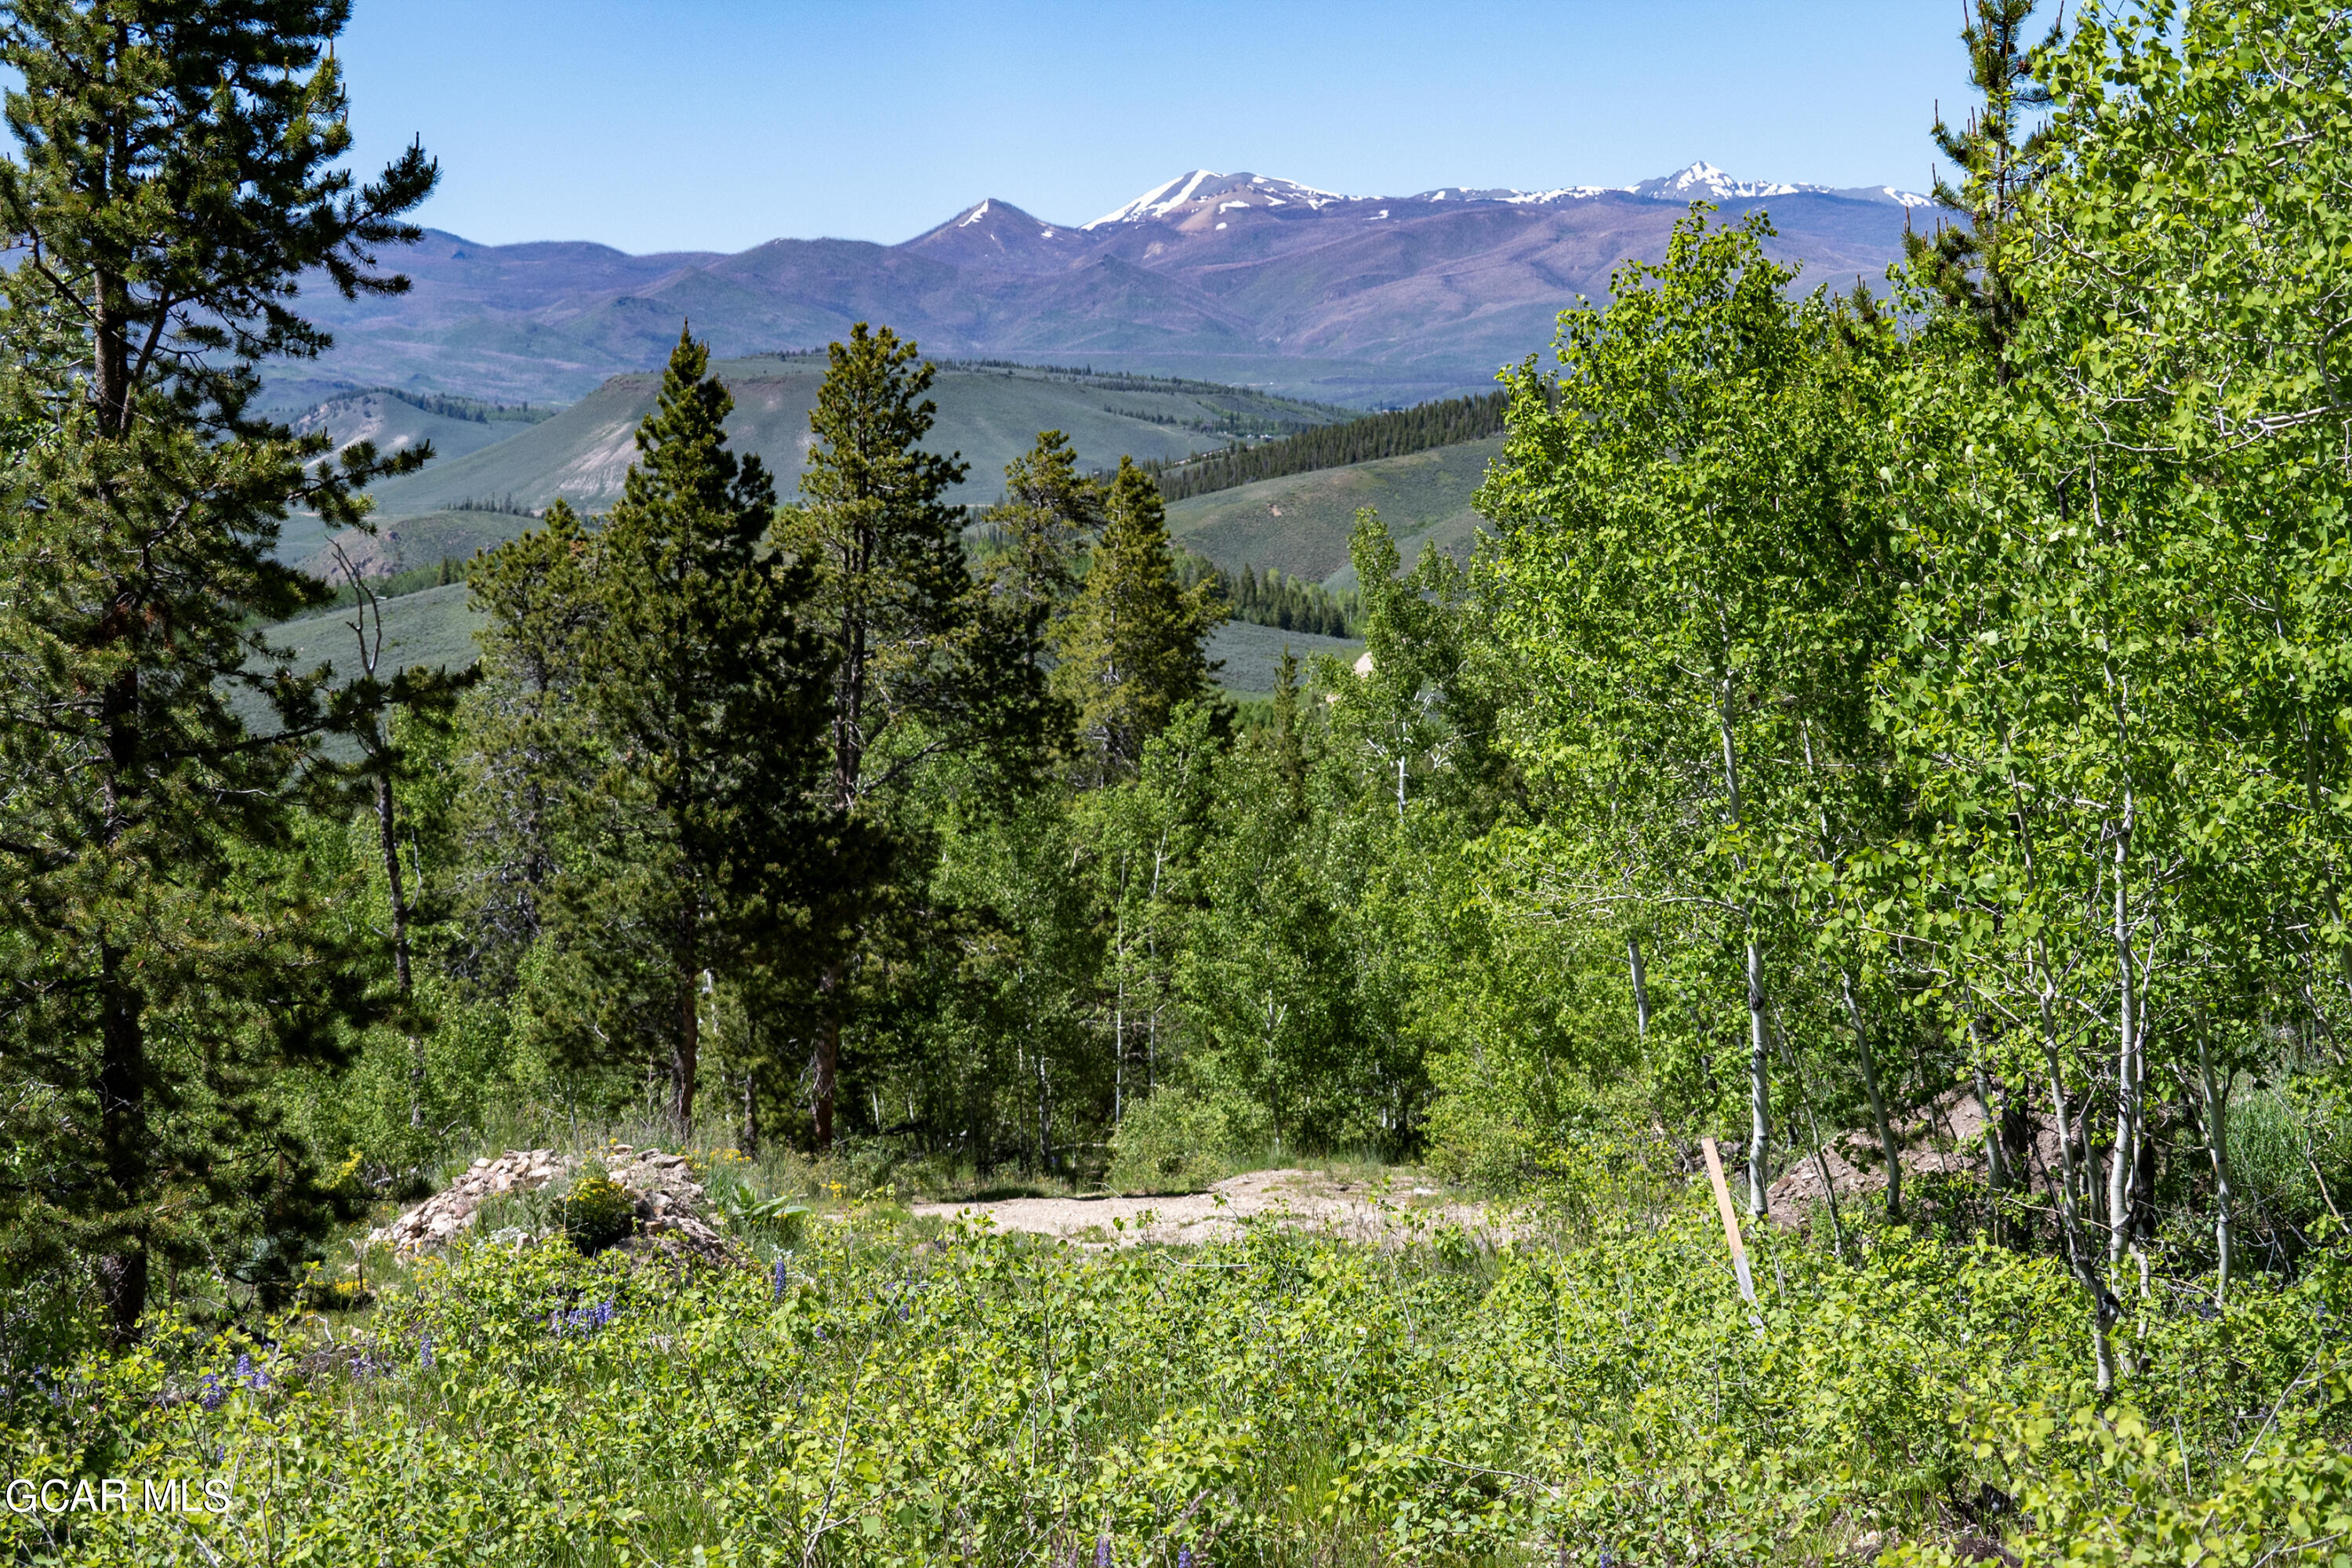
1381, 298
1205, 191
1199, 191
997, 232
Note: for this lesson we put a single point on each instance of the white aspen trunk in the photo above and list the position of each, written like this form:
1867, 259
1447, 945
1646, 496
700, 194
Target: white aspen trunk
2077, 1253
1996, 1158
1641, 988
1759, 1086
1759, 1082
2123, 1164
1119, 1031
2217, 1145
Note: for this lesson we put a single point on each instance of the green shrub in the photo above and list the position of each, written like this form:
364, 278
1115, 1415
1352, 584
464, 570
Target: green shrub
597, 1214
1276, 1398
1179, 1141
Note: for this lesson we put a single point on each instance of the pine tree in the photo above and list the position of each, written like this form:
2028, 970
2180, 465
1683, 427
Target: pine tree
163, 953
1132, 647
522, 739
925, 663
1973, 267
1050, 512
706, 691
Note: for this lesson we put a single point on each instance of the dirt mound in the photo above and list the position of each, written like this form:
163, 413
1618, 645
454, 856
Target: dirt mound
1945, 1137
661, 1187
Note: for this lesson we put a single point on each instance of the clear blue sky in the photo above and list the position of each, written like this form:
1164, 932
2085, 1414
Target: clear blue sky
715, 124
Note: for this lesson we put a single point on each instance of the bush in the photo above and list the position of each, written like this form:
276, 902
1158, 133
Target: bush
1274, 1398
597, 1214
1179, 1141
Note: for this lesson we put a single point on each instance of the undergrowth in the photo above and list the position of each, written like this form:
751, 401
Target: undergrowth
878, 1391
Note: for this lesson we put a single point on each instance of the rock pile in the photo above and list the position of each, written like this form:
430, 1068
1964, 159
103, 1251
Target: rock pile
1944, 1137
661, 1187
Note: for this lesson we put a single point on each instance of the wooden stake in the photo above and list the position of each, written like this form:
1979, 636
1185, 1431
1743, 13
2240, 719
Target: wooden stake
1731, 1220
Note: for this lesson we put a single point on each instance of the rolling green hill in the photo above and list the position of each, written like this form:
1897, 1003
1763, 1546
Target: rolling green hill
406, 541
990, 414
437, 628
434, 627
1300, 523
1253, 654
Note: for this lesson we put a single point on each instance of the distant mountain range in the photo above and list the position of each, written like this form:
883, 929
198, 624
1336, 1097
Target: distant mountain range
1236, 278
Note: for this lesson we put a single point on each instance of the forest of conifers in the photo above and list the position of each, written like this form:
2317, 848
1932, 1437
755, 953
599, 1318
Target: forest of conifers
1364, 440
1854, 707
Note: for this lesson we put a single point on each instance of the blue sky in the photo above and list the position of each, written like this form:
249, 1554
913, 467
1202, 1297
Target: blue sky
715, 124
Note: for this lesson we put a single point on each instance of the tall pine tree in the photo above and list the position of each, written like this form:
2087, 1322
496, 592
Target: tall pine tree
1974, 267
706, 690
925, 662
162, 957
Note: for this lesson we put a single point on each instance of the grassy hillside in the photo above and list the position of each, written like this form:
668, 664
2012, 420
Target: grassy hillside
433, 628
437, 628
395, 423
1300, 523
1253, 654
990, 414
401, 542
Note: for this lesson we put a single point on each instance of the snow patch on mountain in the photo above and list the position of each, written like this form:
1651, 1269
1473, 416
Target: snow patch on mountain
1198, 189
1202, 188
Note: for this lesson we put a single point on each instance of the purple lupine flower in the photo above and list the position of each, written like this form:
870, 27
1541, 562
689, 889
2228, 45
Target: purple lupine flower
780, 1280
425, 1354
584, 1320
251, 1377
212, 1396
1183, 1557
1102, 1552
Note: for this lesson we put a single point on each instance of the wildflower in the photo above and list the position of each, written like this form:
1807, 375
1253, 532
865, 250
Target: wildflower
780, 1280
1102, 1552
211, 1397
251, 1377
425, 1354
583, 1320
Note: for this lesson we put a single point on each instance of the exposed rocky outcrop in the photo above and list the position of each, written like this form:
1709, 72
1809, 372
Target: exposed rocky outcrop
1946, 1137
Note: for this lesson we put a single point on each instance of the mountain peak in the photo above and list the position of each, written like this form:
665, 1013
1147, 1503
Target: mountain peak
994, 230
1202, 201
1198, 192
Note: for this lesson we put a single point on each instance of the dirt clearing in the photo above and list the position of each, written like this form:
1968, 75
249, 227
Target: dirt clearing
1376, 1211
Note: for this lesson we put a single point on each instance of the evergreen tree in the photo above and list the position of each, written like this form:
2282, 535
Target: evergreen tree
1050, 513
924, 662
1131, 649
704, 690
1973, 266
165, 957
1390, 435
522, 743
